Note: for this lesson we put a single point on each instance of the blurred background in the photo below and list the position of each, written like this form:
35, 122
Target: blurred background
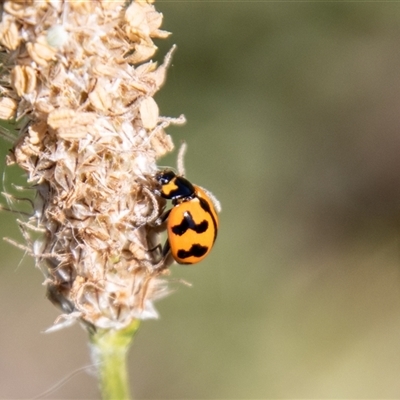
294, 124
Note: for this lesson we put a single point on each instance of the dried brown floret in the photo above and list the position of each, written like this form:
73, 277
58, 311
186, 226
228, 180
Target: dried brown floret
23, 79
8, 108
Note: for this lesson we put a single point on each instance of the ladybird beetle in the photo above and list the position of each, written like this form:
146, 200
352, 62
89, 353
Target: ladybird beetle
192, 222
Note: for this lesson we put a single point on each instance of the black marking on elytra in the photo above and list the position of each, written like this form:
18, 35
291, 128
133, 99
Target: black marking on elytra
206, 207
188, 223
196, 250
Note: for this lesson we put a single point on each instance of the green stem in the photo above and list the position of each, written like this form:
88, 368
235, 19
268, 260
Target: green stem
109, 351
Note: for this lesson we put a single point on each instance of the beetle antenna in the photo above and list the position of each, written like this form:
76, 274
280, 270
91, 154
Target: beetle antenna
181, 156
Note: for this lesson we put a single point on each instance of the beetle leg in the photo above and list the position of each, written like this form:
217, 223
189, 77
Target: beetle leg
166, 249
166, 258
160, 221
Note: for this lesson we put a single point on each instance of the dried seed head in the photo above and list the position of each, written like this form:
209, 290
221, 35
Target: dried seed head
89, 146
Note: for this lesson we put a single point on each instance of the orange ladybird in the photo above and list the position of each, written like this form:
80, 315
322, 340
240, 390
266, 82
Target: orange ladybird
192, 222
